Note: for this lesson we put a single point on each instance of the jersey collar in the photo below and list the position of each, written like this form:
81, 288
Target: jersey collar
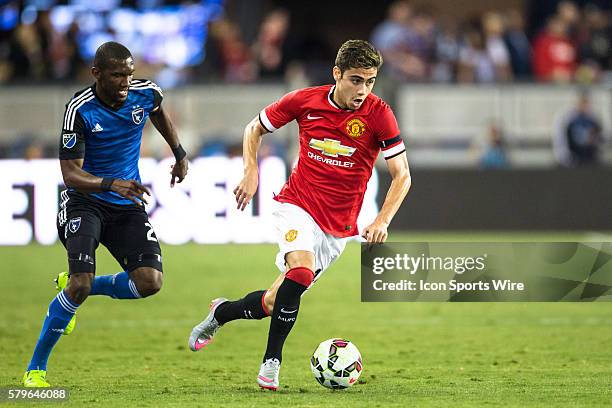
331, 100
93, 89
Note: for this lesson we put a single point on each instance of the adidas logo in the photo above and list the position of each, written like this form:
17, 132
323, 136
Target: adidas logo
97, 128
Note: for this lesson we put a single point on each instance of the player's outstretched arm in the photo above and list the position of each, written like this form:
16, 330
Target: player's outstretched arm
165, 127
77, 178
400, 184
245, 191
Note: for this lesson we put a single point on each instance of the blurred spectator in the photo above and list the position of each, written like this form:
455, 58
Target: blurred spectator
36, 47
475, 63
47, 40
422, 43
569, 14
554, 55
446, 52
518, 45
311, 61
36, 51
417, 45
27, 146
394, 38
578, 139
30, 50
25, 54
34, 150
493, 153
236, 62
594, 44
493, 29
271, 54
68, 62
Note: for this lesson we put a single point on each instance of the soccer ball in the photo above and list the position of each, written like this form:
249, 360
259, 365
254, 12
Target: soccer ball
336, 364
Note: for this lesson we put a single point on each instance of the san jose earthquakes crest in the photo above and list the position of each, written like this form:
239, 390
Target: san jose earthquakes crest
138, 115
74, 224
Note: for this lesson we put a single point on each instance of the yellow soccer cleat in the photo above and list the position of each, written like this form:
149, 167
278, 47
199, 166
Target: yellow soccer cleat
35, 379
60, 284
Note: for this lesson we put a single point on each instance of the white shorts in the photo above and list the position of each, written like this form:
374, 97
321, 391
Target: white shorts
297, 231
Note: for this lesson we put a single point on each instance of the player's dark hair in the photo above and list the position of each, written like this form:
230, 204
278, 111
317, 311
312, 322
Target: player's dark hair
358, 54
110, 51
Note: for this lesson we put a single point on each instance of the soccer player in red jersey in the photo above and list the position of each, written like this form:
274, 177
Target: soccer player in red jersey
343, 127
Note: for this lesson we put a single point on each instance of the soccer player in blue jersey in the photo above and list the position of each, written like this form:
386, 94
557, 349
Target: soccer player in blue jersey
104, 202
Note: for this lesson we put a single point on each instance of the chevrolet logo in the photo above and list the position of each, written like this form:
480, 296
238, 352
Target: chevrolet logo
331, 147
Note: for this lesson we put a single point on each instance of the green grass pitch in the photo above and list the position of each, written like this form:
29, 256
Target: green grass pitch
134, 353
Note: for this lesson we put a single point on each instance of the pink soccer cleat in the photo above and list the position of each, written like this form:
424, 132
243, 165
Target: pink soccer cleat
268, 374
203, 333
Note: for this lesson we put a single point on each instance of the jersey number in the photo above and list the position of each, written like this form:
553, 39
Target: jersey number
150, 233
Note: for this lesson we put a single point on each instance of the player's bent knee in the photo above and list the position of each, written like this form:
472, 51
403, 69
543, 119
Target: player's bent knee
156, 282
148, 281
303, 276
79, 286
296, 259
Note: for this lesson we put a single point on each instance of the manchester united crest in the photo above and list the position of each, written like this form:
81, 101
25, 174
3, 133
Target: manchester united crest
355, 128
291, 235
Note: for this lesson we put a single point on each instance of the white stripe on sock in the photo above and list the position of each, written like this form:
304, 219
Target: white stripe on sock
133, 289
65, 303
68, 302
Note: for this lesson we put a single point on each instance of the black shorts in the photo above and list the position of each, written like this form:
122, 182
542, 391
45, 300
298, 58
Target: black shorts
84, 222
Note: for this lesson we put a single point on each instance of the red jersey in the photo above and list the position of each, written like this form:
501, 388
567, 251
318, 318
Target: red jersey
338, 149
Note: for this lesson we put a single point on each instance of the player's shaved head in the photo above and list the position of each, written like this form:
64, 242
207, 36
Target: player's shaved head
358, 54
109, 51
113, 70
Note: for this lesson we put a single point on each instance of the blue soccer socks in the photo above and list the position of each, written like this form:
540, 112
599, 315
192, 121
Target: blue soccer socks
118, 286
61, 310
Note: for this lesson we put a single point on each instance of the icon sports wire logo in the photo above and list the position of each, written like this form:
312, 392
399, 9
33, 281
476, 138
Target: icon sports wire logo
486, 272
413, 264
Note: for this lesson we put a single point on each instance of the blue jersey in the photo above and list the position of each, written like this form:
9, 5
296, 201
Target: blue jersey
108, 139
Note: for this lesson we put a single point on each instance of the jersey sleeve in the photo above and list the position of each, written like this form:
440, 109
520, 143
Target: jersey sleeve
388, 134
281, 112
72, 139
158, 97
149, 88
